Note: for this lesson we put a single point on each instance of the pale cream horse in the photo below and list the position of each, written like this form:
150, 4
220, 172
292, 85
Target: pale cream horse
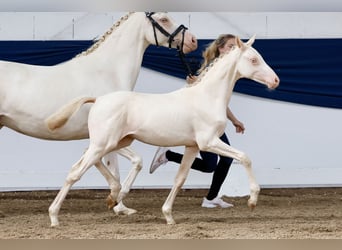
194, 117
29, 94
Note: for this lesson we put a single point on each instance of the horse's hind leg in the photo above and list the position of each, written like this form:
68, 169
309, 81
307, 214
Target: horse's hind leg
126, 187
89, 158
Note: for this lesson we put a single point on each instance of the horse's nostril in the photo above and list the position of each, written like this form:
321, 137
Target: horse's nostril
194, 40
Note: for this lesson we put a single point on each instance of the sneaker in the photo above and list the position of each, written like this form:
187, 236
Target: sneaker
159, 159
215, 202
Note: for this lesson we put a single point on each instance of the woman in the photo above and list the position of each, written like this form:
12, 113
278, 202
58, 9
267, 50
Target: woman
208, 162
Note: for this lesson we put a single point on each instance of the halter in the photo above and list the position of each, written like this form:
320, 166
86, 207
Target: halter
181, 28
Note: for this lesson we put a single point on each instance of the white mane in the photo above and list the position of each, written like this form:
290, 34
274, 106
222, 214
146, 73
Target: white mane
105, 35
210, 66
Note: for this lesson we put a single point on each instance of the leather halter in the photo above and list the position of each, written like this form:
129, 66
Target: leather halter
155, 25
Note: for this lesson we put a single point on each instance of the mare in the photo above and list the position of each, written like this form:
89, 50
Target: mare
194, 117
29, 93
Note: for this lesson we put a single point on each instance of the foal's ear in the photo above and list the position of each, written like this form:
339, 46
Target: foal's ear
239, 43
250, 41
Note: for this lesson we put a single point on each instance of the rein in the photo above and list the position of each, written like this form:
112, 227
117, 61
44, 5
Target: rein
185, 63
181, 28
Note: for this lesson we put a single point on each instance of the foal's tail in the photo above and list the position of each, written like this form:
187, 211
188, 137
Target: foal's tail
59, 118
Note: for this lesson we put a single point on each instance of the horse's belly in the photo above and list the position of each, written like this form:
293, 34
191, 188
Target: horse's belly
35, 127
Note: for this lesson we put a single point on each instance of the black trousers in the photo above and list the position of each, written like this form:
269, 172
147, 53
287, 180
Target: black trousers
208, 163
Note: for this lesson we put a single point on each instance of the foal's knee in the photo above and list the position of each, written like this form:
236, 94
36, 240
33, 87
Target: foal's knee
73, 177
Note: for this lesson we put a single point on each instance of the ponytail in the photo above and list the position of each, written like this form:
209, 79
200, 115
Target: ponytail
212, 50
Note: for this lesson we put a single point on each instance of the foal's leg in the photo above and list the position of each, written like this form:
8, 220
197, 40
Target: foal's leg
114, 199
112, 176
89, 158
113, 182
188, 158
126, 187
219, 147
111, 163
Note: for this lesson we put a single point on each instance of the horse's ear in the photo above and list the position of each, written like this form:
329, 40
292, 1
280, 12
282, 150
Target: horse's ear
250, 41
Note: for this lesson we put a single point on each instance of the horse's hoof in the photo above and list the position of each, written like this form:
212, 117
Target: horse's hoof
110, 202
123, 210
127, 211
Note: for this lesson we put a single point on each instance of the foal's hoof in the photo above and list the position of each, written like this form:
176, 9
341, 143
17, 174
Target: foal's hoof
110, 202
54, 222
251, 205
171, 222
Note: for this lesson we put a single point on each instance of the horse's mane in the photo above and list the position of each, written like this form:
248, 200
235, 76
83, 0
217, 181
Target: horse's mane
104, 36
204, 72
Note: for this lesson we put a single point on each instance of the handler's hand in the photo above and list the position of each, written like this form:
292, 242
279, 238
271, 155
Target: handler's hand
190, 79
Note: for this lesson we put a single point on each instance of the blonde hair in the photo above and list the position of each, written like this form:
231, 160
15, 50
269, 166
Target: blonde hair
212, 50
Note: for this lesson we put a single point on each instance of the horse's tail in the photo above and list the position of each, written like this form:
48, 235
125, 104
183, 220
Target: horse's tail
59, 118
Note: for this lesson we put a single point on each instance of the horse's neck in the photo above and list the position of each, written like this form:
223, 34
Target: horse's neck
220, 80
120, 55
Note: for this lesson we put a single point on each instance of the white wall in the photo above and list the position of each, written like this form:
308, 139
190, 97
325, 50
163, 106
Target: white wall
84, 25
289, 144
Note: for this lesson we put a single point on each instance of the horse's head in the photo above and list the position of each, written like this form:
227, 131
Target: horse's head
251, 65
165, 32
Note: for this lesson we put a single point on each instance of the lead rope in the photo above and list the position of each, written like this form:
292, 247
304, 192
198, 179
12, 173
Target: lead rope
185, 63
182, 57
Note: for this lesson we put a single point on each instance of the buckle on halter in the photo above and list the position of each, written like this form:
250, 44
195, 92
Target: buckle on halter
149, 14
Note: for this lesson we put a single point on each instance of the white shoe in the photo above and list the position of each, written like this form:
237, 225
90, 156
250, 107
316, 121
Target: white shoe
215, 202
159, 159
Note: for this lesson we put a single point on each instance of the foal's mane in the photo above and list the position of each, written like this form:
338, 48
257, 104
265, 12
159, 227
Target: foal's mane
104, 36
214, 62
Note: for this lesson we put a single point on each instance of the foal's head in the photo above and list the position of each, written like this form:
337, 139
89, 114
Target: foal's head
251, 65
162, 30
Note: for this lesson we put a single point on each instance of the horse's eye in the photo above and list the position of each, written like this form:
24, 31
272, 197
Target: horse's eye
164, 20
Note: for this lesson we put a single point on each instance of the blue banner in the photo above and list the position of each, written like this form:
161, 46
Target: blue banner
310, 70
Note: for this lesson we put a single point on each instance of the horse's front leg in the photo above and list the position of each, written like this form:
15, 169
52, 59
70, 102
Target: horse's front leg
188, 158
219, 147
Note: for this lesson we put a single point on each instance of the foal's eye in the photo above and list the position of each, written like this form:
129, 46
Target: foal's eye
254, 60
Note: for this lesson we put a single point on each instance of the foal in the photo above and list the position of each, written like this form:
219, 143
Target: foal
194, 117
